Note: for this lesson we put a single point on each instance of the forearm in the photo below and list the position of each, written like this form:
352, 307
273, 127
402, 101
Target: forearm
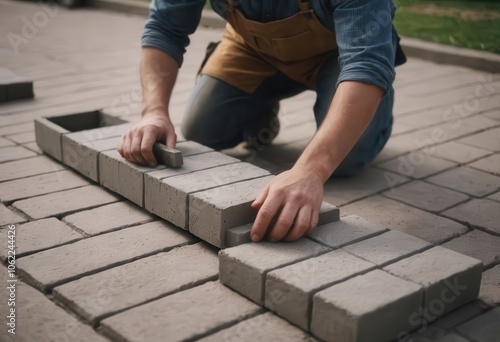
158, 74
351, 111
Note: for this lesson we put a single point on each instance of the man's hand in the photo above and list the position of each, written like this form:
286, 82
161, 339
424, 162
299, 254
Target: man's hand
137, 144
295, 196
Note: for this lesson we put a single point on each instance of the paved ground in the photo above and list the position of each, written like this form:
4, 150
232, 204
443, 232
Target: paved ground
438, 179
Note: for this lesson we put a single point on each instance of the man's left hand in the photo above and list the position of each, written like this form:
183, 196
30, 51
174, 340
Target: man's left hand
288, 207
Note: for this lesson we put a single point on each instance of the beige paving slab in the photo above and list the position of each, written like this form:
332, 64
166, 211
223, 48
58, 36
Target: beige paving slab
28, 167
38, 235
101, 294
416, 165
108, 217
14, 153
459, 153
38, 318
40, 185
495, 197
20, 128
97, 253
182, 316
413, 221
8, 216
482, 328
33, 146
63, 202
479, 245
426, 196
487, 140
22, 138
489, 164
481, 213
467, 180
490, 286
6, 142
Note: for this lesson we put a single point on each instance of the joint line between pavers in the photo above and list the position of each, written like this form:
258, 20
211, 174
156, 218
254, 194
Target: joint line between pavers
46, 193
362, 238
208, 168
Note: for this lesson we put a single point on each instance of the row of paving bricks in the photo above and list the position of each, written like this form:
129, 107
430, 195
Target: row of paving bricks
351, 280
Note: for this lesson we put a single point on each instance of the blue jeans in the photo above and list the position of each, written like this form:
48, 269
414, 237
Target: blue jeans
221, 116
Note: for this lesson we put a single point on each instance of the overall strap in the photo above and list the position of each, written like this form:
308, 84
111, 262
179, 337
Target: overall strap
305, 5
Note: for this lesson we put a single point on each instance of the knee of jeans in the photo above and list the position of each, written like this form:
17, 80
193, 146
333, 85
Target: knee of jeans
349, 168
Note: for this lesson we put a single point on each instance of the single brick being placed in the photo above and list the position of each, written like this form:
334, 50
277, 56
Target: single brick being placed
264, 327
449, 279
197, 262
97, 253
38, 235
376, 306
244, 268
183, 316
175, 191
349, 229
388, 247
289, 290
240, 235
126, 178
152, 180
38, 318
213, 211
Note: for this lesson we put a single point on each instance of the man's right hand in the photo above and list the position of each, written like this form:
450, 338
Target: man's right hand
137, 144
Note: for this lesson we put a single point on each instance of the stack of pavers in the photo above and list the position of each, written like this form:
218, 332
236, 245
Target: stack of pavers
351, 280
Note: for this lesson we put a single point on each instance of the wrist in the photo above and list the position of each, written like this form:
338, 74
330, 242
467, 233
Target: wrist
155, 112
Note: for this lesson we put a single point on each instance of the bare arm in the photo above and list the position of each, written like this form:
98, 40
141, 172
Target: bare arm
298, 193
158, 74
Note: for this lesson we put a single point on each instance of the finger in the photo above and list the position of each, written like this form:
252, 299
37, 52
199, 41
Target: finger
171, 139
261, 198
314, 222
301, 225
127, 141
119, 148
284, 222
148, 140
135, 148
266, 213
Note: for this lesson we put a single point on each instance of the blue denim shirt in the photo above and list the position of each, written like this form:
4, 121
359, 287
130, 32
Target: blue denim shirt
365, 35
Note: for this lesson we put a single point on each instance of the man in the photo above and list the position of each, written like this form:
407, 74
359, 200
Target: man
345, 50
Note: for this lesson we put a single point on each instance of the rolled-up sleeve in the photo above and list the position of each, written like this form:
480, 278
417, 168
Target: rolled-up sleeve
367, 41
169, 25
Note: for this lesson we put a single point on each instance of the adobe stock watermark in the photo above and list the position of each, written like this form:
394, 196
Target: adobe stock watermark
452, 120
32, 25
451, 291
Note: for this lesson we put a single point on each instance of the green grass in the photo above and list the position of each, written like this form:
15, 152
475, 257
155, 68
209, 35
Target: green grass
453, 28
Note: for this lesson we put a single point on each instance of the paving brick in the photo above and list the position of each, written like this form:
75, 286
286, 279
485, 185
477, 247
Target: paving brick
461, 315
129, 180
39, 185
213, 211
489, 164
388, 247
426, 196
175, 191
458, 152
289, 290
372, 307
167, 156
6, 142
99, 295
97, 253
452, 337
416, 165
467, 180
484, 328
191, 148
28, 167
108, 218
265, 327
38, 235
349, 229
11, 153
450, 279
487, 140
49, 137
22, 138
84, 157
14, 87
152, 180
490, 286
479, 245
244, 268
186, 315
19, 128
413, 221
33, 147
495, 197
39, 319
240, 235
9, 217
481, 213
64, 202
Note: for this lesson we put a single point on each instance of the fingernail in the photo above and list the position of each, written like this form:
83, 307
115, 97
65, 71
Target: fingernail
255, 238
